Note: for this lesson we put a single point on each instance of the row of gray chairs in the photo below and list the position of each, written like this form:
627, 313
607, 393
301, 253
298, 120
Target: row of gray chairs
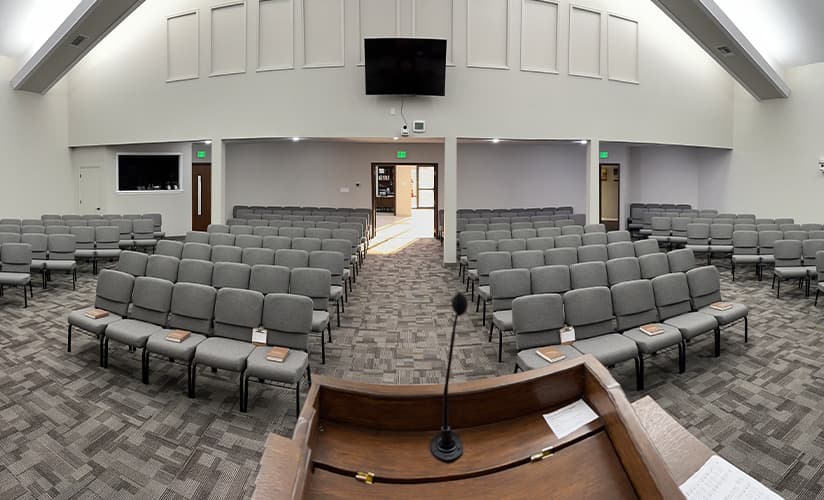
479, 225
15, 268
47, 253
607, 321
90, 220
136, 233
758, 248
261, 212
143, 311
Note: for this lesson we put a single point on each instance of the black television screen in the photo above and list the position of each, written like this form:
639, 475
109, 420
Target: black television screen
148, 172
405, 66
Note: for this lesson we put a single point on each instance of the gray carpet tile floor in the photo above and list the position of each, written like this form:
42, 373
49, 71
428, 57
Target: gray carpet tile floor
71, 429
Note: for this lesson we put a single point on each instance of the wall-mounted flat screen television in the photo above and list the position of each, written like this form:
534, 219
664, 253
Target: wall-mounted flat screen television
405, 66
148, 172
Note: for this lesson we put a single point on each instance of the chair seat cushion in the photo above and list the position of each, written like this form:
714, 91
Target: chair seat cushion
38, 264
290, 371
226, 354
61, 265
721, 248
95, 326
131, 332
160, 234
320, 319
737, 312
660, 237
502, 320
649, 344
484, 293
108, 253
609, 349
692, 323
346, 274
464, 259
528, 359
126, 243
145, 243
768, 259
335, 293
678, 239
646, 231
699, 248
791, 272
746, 259
85, 253
473, 274
184, 351
14, 279
811, 270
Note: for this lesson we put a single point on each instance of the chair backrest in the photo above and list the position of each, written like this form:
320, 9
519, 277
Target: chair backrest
257, 223
327, 225
195, 271
254, 256
537, 320
498, 235
527, 259
492, 261
169, 247
313, 283
809, 250
594, 238
551, 232
15, 258
819, 265
248, 241
589, 311
815, 235
623, 269
766, 241
157, 220
63, 230
39, 244
308, 244
62, 246
498, 226
9, 238
721, 234
217, 228
291, 258
511, 245
789, 227
10, 222
661, 226
698, 233
588, 274
595, 228
550, 279
114, 291
269, 279
634, 304
540, 243
231, 275
616, 236
561, 256
619, 249
568, 241
278, 223
291, 232
276, 242
84, 236
237, 312
653, 264
795, 234
341, 246
287, 320
151, 300
222, 239
570, 229
784, 220
33, 228
477, 247
197, 237
226, 253
505, 285
143, 229
199, 251
193, 306
592, 253
264, 231
704, 285
163, 267
679, 226
672, 295
811, 227
524, 233
743, 227
331, 261
681, 261
744, 242
646, 247
787, 253
318, 232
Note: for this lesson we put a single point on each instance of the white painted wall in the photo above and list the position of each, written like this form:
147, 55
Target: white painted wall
37, 177
511, 175
664, 174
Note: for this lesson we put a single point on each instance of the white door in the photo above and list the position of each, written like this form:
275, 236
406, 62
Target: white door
89, 194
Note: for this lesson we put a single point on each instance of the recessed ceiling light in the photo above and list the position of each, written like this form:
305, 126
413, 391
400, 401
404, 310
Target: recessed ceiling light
495, 141
207, 142
582, 141
295, 139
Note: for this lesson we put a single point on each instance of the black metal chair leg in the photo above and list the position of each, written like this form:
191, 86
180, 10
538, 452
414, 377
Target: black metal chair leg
338, 309
297, 398
145, 366
639, 372
190, 391
682, 356
717, 341
500, 344
69, 340
746, 329
193, 380
244, 380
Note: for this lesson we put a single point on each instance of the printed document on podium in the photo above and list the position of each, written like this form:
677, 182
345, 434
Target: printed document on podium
718, 479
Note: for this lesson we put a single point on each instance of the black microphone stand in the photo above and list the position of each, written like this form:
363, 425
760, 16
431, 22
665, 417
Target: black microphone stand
446, 446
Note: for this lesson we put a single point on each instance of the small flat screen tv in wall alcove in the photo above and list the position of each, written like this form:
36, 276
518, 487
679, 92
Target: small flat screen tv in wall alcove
148, 172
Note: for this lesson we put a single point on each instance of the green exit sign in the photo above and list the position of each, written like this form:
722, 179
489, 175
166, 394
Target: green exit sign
401, 155
604, 155
201, 154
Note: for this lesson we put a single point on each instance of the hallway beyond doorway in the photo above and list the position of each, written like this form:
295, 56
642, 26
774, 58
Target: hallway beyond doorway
395, 233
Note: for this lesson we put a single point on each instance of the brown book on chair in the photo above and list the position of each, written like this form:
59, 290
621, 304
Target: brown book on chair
96, 314
550, 354
177, 336
652, 329
277, 354
721, 306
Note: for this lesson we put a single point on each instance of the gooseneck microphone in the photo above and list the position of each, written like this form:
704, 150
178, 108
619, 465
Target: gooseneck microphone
446, 446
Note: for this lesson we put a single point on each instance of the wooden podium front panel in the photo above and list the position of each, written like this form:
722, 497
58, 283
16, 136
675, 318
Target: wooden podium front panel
587, 469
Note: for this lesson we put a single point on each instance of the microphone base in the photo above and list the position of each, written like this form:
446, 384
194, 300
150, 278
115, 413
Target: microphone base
446, 446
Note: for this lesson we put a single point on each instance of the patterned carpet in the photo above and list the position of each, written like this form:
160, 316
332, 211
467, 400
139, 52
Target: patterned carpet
73, 430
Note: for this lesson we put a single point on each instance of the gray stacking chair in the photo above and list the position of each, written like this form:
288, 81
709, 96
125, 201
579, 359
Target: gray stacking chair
815, 235
524, 234
225, 253
652, 265
59, 229
745, 251
169, 247
318, 233
157, 225
594, 239
222, 239
197, 251
789, 227
133, 263
308, 244
31, 222
634, 305
540, 224
11, 222
519, 223
14, 228
163, 267
315, 283
504, 286
540, 243
809, 251
672, 298
623, 269
344, 247
255, 256
62, 248
592, 253
527, 259
619, 249
217, 228
681, 261
550, 279
39, 251
487, 263
327, 225
195, 271
276, 242
231, 275
819, 266
595, 228
257, 222
269, 279
498, 235
618, 236
280, 223
561, 256
239, 229
550, 232
237, 312
191, 309
124, 228
766, 248
766, 227
151, 299
248, 241
197, 237
84, 240
705, 289
499, 226
288, 322
698, 238
263, 231
661, 230
291, 232
15, 268
143, 233
678, 234
463, 241
568, 241
537, 320
511, 245
475, 226
333, 262
114, 292
720, 240
572, 229
291, 258
589, 311
107, 244
788, 260
474, 249
588, 274
33, 229
795, 234
646, 247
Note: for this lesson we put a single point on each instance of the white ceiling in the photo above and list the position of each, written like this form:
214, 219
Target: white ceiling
26, 24
787, 32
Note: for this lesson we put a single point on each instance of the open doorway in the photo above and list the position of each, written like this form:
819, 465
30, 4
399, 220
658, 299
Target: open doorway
404, 202
610, 195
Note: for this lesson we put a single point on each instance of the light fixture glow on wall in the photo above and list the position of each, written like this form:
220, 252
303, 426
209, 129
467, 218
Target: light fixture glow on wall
495, 141
207, 142
295, 139
395, 138
582, 141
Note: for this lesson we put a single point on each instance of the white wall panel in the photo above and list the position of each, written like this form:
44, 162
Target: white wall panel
323, 33
487, 34
622, 49
435, 19
539, 36
276, 35
378, 19
228, 39
182, 42
584, 42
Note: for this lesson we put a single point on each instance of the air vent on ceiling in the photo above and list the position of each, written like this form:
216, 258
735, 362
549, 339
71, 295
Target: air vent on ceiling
725, 51
79, 39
